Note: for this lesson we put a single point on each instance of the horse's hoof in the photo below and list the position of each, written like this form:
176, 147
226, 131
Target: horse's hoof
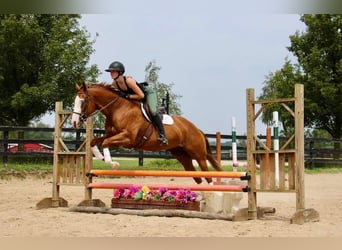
115, 165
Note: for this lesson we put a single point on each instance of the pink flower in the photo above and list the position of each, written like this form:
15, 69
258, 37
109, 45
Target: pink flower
118, 193
136, 192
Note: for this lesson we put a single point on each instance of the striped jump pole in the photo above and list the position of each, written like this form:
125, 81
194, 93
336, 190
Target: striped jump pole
160, 173
221, 188
234, 146
276, 146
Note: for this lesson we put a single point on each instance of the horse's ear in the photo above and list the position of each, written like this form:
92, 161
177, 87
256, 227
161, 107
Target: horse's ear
84, 85
77, 87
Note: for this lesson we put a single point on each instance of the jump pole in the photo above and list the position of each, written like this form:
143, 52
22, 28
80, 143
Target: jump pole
161, 173
236, 164
234, 146
219, 188
276, 146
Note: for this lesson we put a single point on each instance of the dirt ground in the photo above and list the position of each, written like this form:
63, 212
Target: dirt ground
20, 218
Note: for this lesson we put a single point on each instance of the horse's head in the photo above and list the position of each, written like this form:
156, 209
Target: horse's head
82, 106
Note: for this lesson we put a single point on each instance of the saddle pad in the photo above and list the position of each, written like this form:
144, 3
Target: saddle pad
167, 119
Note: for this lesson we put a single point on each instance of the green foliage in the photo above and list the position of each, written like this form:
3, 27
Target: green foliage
28, 162
319, 68
41, 58
280, 85
152, 77
319, 53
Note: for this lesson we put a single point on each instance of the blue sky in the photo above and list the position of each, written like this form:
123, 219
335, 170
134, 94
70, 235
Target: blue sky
208, 51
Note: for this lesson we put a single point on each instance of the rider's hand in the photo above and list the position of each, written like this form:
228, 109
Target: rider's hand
124, 94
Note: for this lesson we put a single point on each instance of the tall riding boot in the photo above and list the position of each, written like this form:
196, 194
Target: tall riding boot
159, 125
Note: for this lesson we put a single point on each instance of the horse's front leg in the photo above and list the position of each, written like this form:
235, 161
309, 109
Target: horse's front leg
106, 157
94, 147
98, 140
121, 139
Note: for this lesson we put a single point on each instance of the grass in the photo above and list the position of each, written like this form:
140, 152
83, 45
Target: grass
326, 170
151, 164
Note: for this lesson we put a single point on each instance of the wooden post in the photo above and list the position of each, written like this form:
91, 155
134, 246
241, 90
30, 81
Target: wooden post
299, 141
267, 157
88, 157
218, 147
56, 147
251, 164
218, 151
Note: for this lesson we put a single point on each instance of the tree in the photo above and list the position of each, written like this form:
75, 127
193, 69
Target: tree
41, 59
280, 85
319, 54
151, 77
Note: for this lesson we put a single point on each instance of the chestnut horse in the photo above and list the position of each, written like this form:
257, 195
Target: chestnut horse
126, 126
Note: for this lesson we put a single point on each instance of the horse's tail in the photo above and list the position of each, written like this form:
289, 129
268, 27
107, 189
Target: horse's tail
210, 156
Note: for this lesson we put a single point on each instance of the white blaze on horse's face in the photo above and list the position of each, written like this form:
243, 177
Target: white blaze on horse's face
75, 121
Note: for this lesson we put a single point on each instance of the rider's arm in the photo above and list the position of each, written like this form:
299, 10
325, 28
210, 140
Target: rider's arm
139, 94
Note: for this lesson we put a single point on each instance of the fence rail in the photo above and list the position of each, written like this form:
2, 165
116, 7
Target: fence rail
317, 150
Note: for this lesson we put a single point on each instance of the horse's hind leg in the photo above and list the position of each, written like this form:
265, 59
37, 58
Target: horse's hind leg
214, 162
204, 167
183, 157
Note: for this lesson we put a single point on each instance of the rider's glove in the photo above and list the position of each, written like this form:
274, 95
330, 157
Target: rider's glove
124, 94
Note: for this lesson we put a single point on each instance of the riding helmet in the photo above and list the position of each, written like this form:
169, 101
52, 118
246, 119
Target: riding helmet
116, 66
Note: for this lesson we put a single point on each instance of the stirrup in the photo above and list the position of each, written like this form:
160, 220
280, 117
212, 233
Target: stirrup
163, 140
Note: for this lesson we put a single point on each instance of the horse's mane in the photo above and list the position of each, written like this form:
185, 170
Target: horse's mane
102, 85
107, 87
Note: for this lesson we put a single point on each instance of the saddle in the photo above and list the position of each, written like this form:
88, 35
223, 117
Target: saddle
166, 119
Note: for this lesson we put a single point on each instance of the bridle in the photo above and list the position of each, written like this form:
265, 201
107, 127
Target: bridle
84, 106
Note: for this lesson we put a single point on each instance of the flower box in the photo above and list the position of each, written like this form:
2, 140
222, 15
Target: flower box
154, 204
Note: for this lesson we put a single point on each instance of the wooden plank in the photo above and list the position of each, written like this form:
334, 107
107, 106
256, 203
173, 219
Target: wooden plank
71, 168
282, 171
272, 172
71, 153
291, 171
288, 109
56, 159
65, 166
263, 171
251, 164
78, 169
274, 101
299, 138
273, 151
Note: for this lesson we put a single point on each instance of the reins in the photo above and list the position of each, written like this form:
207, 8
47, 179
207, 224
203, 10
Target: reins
84, 116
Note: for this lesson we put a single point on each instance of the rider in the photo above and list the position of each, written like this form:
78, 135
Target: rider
129, 89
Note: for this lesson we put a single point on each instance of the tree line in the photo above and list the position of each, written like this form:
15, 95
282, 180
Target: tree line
42, 56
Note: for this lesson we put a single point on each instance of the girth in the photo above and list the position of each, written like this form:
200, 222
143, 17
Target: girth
144, 135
